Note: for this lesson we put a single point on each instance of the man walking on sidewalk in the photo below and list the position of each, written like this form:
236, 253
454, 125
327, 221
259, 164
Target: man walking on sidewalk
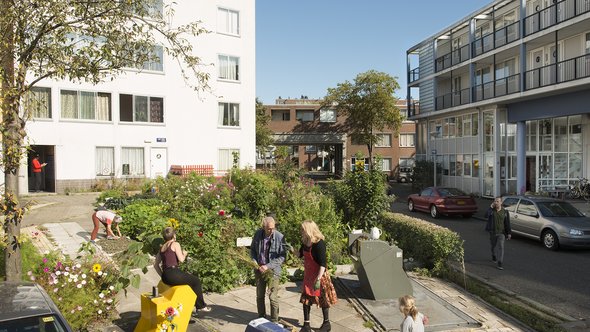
498, 226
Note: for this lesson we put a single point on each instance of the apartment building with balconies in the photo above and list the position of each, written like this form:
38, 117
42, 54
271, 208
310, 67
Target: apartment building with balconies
318, 143
504, 97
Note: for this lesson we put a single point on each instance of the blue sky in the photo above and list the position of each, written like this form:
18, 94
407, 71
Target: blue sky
304, 47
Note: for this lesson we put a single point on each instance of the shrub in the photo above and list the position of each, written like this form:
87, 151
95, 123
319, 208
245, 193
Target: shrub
253, 192
361, 196
143, 218
422, 175
428, 243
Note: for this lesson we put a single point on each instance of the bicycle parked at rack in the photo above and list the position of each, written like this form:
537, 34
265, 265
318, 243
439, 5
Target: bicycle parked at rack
580, 190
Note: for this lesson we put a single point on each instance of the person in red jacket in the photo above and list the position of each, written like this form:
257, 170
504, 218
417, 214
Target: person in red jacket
37, 169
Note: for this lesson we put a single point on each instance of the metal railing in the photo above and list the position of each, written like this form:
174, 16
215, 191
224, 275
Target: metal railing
442, 62
452, 99
507, 85
562, 71
558, 12
452, 58
507, 34
413, 109
483, 44
414, 74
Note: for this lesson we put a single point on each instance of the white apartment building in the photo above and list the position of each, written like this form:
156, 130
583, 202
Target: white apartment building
144, 121
505, 97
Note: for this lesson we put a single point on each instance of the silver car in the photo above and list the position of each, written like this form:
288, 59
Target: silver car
552, 221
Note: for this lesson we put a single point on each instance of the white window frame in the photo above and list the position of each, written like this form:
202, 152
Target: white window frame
225, 116
135, 104
226, 62
383, 140
403, 140
105, 166
386, 169
138, 170
79, 106
225, 162
327, 115
227, 23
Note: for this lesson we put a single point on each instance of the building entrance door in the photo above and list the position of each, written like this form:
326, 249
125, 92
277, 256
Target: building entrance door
46, 155
158, 162
531, 174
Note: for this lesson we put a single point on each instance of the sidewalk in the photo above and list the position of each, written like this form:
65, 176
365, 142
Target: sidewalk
67, 219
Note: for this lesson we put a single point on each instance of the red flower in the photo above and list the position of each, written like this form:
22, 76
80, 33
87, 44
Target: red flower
200, 233
170, 311
221, 213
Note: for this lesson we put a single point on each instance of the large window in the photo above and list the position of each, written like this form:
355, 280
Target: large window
105, 161
280, 115
228, 21
229, 68
327, 115
383, 140
85, 105
226, 158
132, 161
229, 115
37, 103
386, 164
407, 140
304, 115
156, 61
141, 108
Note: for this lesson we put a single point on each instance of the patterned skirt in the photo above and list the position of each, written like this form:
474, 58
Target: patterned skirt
327, 296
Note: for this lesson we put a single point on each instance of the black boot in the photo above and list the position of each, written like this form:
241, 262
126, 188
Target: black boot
326, 326
306, 327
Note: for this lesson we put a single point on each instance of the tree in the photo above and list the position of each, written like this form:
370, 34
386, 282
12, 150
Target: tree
80, 41
368, 105
263, 133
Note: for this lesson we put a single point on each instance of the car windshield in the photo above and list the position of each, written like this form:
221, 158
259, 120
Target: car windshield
445, 192
47, 323
558, 209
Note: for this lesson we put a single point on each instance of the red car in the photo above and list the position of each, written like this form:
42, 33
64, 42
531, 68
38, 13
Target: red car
439, 200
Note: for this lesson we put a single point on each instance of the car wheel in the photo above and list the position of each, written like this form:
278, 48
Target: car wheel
550, 240
433, 211
402, 180
411, 205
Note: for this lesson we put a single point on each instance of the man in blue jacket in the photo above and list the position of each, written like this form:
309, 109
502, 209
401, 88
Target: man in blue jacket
498, 226
268, 251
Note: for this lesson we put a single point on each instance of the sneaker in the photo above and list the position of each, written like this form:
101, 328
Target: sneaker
205, 309
500, 266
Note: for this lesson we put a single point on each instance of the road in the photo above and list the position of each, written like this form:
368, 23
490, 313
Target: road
557, 279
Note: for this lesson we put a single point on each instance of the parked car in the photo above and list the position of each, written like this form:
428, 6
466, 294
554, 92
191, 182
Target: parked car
442, 200
25, 306
552, 221
404, 175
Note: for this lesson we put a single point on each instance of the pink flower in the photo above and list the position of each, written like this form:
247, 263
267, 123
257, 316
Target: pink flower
170, 311
46, 269
44, 260
221, 213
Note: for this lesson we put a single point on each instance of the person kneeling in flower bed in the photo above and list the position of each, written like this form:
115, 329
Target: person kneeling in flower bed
168, 258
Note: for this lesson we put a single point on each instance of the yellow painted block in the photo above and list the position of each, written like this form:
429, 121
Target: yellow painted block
153, 309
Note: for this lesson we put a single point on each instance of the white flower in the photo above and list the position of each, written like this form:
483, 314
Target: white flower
66, 273
83, 282
100, 273
46, 252
99, 312
95, 302
30, 273
57, 273
110, 301
78, 265
79, 285
112, 287
55, 290
83, 275
101, 295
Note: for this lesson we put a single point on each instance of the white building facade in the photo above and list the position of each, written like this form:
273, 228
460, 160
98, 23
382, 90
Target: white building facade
141, 123
505, 97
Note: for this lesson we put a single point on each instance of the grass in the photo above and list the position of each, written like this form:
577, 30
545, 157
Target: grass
527, 314
29, 256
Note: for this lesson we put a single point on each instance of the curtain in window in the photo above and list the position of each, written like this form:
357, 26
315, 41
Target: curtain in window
141, 109
234, 20
69, 104
103, 107
223, 64
232, 68
87, 105
221, 118
234, 115
156, 109
226, 158
133, 158
105, 161
37, 103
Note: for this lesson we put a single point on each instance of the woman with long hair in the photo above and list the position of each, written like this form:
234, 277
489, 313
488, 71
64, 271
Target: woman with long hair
413, 320
317, 287
169, 257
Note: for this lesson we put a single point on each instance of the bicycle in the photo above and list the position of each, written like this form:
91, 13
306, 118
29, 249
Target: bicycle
580, 190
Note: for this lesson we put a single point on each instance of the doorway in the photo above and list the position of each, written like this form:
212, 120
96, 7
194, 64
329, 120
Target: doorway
158, 162
531, 173
46, 155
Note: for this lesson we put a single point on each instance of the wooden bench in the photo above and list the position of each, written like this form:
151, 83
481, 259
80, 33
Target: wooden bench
152, 308
184, 170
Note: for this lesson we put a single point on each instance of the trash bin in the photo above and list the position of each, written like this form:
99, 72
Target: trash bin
379, 267
264, 325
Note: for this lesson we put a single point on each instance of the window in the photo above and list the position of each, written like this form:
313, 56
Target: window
229, 115
156, 62
229, 68
280, 115
587, 44
467, 125
105, 161
37, 103
85, 105
310, 149
132, 161
510, 204
386, 164
527, 208
304, 116
228, 21
383, 140
226, 158
407, 140
467, 165
141, 109
406, 162
327, 115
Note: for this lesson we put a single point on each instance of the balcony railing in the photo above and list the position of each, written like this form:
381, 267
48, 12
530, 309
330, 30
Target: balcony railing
500, 87
558, 12
563, 71
483, 44
507, 34
452, 99
413, 109
456, 56
414, 74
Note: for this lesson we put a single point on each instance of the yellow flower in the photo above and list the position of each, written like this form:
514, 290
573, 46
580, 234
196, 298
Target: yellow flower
173, 223
96, 268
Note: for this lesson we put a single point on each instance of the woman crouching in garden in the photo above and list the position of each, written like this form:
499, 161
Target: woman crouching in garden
170, 256
317, 286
